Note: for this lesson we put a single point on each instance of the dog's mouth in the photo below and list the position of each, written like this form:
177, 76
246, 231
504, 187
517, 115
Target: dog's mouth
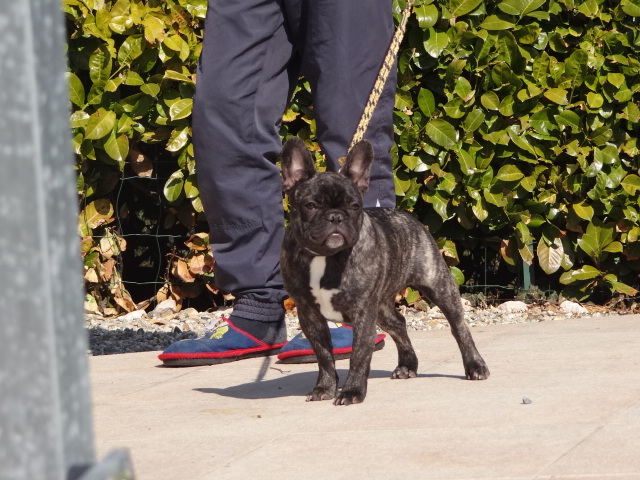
335, 240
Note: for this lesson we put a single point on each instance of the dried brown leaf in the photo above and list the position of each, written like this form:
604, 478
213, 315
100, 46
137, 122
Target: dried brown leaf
198, 242
180, 270
140, 164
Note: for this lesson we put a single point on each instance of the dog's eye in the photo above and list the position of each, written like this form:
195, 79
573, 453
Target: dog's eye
310, 206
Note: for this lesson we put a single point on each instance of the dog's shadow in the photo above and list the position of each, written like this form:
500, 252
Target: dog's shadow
291, 385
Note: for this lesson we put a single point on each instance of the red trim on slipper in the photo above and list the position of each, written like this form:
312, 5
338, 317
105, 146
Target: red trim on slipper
227, 354
336, 351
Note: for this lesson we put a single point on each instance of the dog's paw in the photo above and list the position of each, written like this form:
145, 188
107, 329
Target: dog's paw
476, 370
319, 394
349, 397
403, 372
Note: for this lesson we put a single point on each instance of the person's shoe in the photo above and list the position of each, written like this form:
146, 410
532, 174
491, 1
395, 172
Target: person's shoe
299, 350
225, 343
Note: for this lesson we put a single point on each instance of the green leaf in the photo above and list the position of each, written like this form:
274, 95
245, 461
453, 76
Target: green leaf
557, 95
601, 135
462, 88
623, 287
474, 119
519, 139
595, 100
457, 8
426, 102
543, 122
441, 133
494, 22
76, 90
79, 119
191, 186
173, 42
97, 213
585, 273
550, 256
602, 234
589, 8
151, 89
100, 124
196, 203
479, 211
576, 67
614, 247
435, 43
520, 7
583, 210
178, 139
181, 77
490, 101
131, 48
440, 205
509, 173
117, 147
427, 15
401, 186
174, 186
411, 295
568, 118
495, 198
153, 29
616, 79
100, 66
181, 109
631, 7
506, 106
458, 276
467, 163
415, 164
631, 183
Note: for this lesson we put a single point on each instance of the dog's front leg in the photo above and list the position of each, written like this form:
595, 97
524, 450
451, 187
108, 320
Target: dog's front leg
316, 329
355, 387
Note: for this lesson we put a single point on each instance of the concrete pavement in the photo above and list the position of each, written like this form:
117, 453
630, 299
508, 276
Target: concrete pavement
249, 419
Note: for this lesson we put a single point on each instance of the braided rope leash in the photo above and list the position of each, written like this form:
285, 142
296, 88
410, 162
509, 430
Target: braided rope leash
381, 80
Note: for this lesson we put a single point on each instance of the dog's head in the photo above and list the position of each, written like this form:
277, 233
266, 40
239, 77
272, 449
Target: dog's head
325, 207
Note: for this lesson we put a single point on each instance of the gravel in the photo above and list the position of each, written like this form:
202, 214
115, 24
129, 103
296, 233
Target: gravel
142, 331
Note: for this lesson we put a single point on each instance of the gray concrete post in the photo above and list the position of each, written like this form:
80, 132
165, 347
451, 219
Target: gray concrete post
45, 409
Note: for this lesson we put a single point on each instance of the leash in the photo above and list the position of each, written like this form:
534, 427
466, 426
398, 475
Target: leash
381, 80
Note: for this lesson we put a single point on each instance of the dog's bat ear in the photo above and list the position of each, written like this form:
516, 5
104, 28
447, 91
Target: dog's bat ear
297, 163
357, 166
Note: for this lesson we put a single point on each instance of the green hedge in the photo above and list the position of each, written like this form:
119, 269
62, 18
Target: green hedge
516, 126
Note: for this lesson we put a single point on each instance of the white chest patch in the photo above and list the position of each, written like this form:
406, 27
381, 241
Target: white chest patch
323, 296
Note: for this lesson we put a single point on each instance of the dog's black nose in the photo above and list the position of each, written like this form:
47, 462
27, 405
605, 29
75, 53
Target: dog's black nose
334, 217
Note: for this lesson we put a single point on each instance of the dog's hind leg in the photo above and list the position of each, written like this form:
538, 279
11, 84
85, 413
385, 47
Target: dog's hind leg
444, 293
392, 322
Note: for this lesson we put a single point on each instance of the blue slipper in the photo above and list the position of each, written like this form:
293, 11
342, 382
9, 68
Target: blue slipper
299, 350
225, 343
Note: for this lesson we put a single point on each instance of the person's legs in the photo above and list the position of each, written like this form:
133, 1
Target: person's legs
344, 47
243, 85
346, 44
242, 92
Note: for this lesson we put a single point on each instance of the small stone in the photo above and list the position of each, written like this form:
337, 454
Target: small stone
572, 307
466, 305
513, 306
163, 309
189, 312
132, 316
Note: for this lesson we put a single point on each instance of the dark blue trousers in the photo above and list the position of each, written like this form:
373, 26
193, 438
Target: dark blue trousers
254, 51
